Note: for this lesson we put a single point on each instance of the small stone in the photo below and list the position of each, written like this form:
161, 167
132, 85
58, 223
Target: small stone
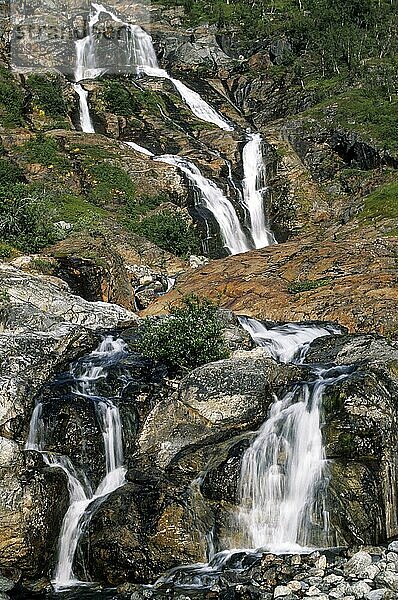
378, 594
393, 547
64, 225
341, 591
333, 579
313, 591
372, 571
295, 560
357, 564
322, 562
282, 591
294, 585
388, 579
391, 566
360, 589
392, 557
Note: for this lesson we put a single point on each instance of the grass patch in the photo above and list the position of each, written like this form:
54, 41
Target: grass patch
306, 286
11, 100
26, 218
44, 151
48, 95
109, 184
381, 204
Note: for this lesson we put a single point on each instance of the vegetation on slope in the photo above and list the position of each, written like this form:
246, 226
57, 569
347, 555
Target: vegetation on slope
190, 337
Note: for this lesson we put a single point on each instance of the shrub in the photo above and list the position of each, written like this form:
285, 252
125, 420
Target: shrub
9, 173
170, 231
45, 151
190, 337
118, 99
11, 100
25, 218
47, 94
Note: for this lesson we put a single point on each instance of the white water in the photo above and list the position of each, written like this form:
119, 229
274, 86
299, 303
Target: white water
85, 118
213, 199
140, 55
283, 476
254, 185
81, 495
288, 341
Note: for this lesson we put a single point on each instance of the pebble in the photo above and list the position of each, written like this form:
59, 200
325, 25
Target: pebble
6, 584
358, 564
282, 591
360, 589
294, 585
393, 547
376, 594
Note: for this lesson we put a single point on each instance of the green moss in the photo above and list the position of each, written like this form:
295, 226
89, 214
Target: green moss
48, 94
305, 286
381, 204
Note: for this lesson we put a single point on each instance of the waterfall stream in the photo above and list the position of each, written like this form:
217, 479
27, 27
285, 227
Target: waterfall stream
254, 185
83, 500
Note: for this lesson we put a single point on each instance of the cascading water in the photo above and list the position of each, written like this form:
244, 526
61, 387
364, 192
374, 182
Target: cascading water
213, 199
82, 499
283, 475
254, 185
140, 56
85, 118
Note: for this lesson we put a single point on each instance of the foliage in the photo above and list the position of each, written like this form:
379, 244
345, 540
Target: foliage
25, 218
381, 204
109, 184
170, 231
11, 100
306, 286
118, 99
45, 151
190, 337
9, 173
47, 94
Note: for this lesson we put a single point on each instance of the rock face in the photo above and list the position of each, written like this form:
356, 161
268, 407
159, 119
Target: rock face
351, 281
43, 328
184, 475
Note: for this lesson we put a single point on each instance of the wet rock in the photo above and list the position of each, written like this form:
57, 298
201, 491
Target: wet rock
357, 564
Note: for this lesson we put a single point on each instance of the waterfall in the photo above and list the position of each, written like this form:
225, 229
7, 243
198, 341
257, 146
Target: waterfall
283, 475
213, 199
82, 499
287, 341
140, 55
254, 185
85, 118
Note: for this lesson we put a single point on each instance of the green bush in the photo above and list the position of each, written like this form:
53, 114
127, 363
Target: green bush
25, 218
47, 94
118, 99
190, 337
9, 173
170, 231
45, 151
11, 100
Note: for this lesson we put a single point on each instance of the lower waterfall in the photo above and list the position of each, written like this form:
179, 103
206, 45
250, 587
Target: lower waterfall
83, 500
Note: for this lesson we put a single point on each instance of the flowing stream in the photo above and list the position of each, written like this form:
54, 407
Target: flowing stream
254, 187
83, 499
141, 55
284, 477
